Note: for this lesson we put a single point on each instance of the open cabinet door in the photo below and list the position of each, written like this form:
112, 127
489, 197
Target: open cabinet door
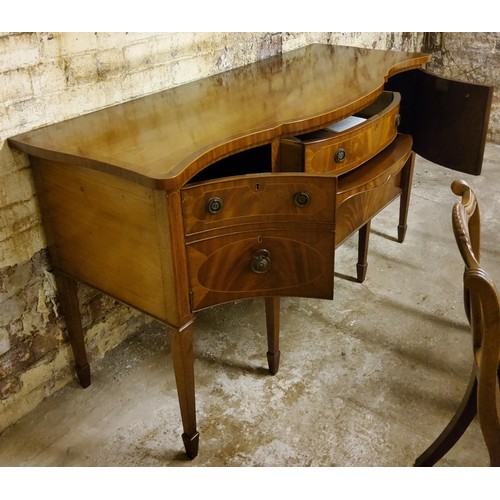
448, 119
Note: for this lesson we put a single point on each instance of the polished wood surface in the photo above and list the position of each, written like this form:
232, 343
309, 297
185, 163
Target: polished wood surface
71, 310
256, 199
358, 144
273, 330
301, 265
164, 139
482, 307
102, 230
362, 193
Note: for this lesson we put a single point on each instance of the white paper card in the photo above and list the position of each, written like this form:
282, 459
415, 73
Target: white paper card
346, 123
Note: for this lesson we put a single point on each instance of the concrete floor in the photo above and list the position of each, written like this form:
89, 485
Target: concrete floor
369, 379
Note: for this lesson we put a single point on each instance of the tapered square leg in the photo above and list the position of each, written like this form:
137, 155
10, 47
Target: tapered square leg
273, 333
68, 297
406, 180
183, 359
363, 241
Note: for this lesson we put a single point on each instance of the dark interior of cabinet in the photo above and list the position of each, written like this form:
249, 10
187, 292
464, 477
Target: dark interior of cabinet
251, 161
448, 119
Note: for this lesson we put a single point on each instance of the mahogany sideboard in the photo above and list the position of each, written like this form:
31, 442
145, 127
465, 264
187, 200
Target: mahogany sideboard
241, 185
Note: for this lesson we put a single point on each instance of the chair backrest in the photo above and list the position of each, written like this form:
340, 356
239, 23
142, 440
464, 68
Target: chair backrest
483, 311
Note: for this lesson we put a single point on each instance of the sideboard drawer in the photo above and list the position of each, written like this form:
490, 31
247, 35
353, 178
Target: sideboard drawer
363, 192
338, 149
258, 198
266, 262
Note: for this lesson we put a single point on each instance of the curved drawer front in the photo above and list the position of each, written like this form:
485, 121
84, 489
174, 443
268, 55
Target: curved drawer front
288, 262
328, 150
258, 198
367, 190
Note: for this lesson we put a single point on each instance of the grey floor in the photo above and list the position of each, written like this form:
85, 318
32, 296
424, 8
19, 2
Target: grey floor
368, 379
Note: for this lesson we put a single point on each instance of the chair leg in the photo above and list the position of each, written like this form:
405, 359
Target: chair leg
494, 451
363, 240
273, 333
455, 429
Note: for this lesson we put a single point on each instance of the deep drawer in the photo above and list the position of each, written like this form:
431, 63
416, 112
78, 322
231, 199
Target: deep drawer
363, 192
253, 199
334, 149
268, 262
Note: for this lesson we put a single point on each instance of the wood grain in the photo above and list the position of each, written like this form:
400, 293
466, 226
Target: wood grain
102, 230
301, 265
164, 139
360, 142
365, 191
258, 198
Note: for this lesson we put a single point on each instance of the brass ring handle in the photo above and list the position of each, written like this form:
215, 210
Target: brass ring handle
214, 205
340, 155
261, 263
302, 199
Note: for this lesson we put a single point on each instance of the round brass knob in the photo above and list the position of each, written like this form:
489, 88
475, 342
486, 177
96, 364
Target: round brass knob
302, 199
214, 205
340, 155
261, 263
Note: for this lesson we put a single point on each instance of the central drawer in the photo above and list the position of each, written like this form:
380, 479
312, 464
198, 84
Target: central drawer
344, 145
260, 235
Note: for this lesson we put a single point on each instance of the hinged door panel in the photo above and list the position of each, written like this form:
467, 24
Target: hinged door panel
448, 119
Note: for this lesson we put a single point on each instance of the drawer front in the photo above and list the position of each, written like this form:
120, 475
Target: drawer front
253, 199
328, 151
270, 262
366, 191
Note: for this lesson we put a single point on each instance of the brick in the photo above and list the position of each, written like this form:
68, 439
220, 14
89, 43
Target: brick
48, 78
81, 70
75, 43
15, 85
144, 82
42, 344
49, 46
16, 360
14, 278
16, 186
18, 217
74, 101
12, 308
21, 246
18, 50
110, 63
26, 115
9, 386
4, 340
107, 41
12, 160
139, 55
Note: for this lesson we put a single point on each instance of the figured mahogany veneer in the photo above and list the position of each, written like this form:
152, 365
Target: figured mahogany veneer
185, 198
363, 192
258, 199
328, 151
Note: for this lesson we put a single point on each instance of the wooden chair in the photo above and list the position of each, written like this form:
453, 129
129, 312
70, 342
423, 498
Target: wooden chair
482, 397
